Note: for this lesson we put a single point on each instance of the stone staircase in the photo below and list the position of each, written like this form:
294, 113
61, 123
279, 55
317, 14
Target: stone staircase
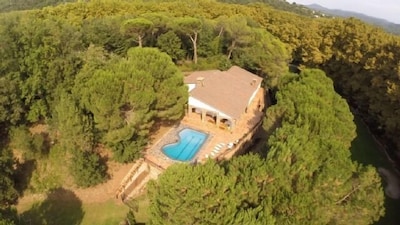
134, 183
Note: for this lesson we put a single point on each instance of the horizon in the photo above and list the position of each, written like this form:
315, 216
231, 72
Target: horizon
382, 9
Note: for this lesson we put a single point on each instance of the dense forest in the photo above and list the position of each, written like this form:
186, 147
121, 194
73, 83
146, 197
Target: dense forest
282, 5
101, 74
12, 5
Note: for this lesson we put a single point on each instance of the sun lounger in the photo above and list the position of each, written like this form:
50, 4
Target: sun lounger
221, 145
218, 147
216, 150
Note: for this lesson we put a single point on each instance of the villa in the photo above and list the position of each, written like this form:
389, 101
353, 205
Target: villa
222, 95
224, 112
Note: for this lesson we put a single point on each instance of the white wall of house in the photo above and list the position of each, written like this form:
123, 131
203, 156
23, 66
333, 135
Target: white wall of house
254, 94
195, 103
191, 86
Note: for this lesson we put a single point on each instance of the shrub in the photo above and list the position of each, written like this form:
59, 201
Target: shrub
87, 169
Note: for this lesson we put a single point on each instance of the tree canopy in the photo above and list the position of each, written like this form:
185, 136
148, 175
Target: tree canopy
309, 152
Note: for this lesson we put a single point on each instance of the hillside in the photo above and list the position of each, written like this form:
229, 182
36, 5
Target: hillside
280, 5
388, 26
12, 5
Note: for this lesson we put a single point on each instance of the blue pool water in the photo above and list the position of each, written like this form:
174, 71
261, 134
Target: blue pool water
190, 142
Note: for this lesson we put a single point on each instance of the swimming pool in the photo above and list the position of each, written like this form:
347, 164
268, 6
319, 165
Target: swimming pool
190, 142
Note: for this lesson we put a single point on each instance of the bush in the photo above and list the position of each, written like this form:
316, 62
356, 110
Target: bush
50, 173
44, 177
21, 139
8, 216
31, 146
87, 169
39, 145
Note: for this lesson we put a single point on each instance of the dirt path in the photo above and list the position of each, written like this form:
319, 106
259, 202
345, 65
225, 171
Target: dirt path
105, 191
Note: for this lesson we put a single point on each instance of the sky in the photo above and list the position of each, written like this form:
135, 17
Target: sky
385, 9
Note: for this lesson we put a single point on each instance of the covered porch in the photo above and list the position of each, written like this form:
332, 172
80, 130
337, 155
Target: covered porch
206, 115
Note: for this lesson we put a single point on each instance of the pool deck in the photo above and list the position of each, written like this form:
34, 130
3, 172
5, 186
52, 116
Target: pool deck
217, 135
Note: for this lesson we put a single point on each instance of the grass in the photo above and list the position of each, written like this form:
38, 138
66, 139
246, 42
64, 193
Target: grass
366, 151
106, 213
72, 211
141, 204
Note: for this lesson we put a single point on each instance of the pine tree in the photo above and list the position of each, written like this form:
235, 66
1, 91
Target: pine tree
87, 169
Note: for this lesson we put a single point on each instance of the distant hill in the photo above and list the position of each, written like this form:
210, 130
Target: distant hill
280, 5
388, 26
12, 5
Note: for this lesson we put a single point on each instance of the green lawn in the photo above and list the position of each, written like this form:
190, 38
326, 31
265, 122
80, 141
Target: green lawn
365, 151
107, 213
73, 212
142, 205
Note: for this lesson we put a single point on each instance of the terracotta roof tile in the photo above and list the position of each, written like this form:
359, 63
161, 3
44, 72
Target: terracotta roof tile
228, 91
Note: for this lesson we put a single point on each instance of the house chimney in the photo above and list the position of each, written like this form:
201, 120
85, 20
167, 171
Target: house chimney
253, 82
200, 80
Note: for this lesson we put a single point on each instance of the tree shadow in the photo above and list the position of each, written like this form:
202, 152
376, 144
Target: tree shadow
41, 143
364, 149
255, 145
256, 118
61, 207
23, 174
103, 160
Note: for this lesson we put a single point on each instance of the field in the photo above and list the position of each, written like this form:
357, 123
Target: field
69, 210
141, 204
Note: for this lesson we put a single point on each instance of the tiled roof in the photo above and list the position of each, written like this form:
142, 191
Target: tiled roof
227, 91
